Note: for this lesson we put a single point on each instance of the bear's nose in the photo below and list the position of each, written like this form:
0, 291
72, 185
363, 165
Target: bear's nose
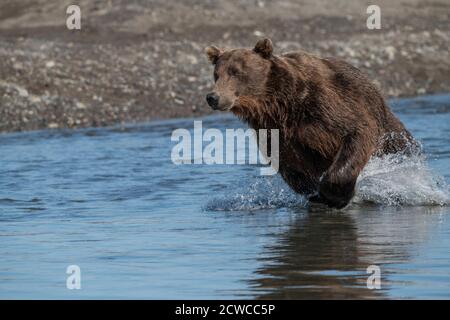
213, 100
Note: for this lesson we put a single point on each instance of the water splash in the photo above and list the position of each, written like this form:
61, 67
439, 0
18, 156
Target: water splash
263, 193
392, 180
397, 179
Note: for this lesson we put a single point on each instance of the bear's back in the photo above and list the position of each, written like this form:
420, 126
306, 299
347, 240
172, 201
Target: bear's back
347, 82
355, 90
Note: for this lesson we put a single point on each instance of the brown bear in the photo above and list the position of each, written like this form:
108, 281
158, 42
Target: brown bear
331, 118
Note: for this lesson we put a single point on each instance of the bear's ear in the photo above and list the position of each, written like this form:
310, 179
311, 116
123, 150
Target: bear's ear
213, 53
264, 48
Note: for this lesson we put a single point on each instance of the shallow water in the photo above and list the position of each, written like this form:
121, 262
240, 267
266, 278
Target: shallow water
111, 201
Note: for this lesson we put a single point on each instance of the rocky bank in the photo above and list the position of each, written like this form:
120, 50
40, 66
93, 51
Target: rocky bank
140, 60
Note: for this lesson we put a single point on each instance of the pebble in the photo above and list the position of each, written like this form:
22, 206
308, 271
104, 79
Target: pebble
390, 51
52, 125
80, 105
258, 33
50, 64
22, 92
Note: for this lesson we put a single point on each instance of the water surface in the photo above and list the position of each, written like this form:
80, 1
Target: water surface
112, 202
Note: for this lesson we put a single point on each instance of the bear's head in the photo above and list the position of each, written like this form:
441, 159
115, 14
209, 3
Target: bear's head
238, 74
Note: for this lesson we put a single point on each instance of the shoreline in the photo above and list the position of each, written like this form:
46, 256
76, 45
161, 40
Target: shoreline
225, 115
138, 61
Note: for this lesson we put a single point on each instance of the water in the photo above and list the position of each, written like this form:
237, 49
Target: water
111, 201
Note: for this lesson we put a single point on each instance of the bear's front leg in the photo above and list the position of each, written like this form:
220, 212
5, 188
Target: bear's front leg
335, 194
337, 185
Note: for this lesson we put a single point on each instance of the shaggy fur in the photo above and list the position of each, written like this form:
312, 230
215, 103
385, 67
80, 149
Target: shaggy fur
331, 118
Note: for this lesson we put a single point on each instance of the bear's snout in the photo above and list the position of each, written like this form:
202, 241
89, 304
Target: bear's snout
213, 100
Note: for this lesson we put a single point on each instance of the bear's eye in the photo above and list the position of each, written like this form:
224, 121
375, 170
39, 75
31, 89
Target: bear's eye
233, 72
216, 76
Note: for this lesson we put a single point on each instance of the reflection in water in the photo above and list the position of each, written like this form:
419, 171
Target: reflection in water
324, 254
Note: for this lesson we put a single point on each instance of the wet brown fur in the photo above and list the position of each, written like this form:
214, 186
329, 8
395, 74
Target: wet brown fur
331, 118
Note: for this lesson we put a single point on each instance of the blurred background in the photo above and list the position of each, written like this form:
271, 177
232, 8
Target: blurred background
139, 60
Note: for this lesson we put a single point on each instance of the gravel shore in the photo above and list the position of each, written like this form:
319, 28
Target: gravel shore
140, 60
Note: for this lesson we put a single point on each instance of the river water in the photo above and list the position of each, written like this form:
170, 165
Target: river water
111, 201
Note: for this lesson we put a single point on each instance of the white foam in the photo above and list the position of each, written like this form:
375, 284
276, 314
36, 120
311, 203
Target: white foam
397, 179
